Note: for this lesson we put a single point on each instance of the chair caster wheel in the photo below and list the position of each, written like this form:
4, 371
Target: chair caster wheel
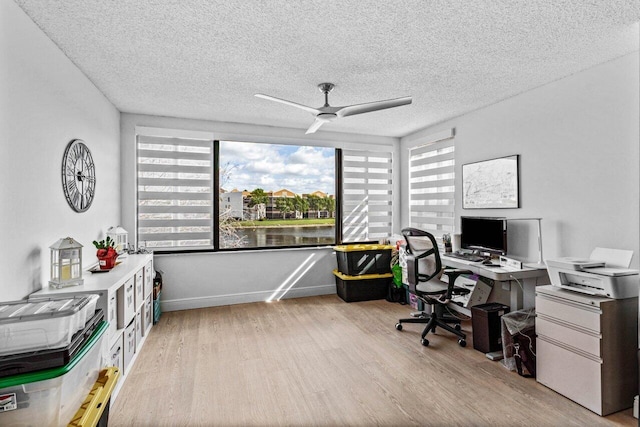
399, 326
433, 330
457, 327
425, 342
462, 343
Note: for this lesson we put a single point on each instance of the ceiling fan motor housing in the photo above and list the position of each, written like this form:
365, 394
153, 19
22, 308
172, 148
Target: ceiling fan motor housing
328, 117
326, 87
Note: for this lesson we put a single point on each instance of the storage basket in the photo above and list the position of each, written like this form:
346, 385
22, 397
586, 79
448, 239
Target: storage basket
355, 260
362, 288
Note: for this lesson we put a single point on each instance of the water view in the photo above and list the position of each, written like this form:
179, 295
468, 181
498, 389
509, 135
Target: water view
287, 236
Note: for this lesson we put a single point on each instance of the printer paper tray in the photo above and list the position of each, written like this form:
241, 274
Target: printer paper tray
583, 290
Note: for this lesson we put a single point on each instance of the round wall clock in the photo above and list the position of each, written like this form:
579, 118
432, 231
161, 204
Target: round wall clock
78, 175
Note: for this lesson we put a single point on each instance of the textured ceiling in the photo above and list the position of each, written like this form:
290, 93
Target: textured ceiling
206, 59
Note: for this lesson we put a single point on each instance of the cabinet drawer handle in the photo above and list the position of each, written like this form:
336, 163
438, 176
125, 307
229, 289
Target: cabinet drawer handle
570, 348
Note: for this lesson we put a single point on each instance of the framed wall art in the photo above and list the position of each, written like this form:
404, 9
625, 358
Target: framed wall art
491, 184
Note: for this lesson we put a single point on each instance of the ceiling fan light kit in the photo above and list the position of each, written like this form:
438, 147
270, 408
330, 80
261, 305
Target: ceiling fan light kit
327, 113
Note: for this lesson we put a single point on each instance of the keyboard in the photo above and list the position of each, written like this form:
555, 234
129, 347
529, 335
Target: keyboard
466, 257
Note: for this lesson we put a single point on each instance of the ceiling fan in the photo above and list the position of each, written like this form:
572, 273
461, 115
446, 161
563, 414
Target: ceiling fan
327, 113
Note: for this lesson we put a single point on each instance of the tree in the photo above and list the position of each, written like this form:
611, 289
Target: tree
300, 205
258, 200
227, 225
284, 205
315, 204
258, 196
330, 205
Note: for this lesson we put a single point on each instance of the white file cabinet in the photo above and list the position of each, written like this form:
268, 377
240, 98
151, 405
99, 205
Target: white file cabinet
123, 293
586, 348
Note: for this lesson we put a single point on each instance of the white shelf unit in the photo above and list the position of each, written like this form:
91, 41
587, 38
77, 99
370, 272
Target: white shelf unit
586, 348
124, 295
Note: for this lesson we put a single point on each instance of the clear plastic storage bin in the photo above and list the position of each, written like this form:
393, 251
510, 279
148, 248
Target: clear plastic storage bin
43, 323
51, 397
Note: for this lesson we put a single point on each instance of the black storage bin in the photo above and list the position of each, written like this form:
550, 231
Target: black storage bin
362, 288
485, 321
356, 260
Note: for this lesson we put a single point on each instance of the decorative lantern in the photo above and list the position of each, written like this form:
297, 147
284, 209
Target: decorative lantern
66, 263
120, 238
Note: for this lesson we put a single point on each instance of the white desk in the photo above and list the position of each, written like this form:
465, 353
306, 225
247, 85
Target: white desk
505, 279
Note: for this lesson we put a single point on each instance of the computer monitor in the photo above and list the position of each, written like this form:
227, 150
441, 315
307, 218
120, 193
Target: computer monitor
485, 234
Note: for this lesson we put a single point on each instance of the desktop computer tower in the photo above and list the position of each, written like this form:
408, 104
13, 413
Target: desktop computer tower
485, 321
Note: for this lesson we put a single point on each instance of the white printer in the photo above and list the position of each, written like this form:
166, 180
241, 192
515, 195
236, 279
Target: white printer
604, 273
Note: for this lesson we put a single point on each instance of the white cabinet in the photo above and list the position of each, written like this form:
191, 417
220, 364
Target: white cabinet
586, 348
116, 354
139, 289
149, 274
126, 303
123, 303
147, 316
112, 312
139, 325
129, 343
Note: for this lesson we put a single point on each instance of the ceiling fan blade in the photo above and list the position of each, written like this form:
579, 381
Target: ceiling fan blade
352, 110
315, 126
284, 101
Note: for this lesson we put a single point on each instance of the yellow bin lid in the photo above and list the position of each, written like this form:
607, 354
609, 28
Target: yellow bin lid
362, 277
90, 412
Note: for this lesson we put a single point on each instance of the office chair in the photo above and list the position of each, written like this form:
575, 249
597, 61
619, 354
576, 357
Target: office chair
427, 286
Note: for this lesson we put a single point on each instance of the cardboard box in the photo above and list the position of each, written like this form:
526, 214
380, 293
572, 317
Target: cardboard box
479, 294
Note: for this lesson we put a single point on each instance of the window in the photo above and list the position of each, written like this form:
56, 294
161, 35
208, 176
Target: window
175, 193
432, 188
366, 195
198, 194
279, 195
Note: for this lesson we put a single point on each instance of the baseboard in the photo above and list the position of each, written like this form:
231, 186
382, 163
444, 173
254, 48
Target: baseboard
229, 299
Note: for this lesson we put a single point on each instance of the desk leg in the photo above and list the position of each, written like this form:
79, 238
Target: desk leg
516, 296
525, 296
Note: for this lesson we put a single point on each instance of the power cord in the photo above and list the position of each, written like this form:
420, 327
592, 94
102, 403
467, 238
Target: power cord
530, 312
518, 282
456, 314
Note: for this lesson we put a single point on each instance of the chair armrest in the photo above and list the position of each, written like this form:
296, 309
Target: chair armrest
453, 274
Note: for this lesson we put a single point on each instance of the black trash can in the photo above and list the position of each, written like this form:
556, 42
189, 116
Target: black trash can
485, 321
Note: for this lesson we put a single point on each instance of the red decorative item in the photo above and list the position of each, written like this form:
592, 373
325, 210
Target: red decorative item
107, 258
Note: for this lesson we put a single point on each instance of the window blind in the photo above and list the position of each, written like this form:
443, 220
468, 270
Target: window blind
366, 195
432, 187
175, 193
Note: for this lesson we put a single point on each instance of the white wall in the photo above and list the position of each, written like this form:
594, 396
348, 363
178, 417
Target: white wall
200, 280
578, 141
45, 102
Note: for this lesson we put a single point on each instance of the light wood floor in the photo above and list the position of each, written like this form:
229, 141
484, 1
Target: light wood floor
321, 361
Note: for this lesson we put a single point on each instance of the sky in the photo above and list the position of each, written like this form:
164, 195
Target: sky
301, 169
